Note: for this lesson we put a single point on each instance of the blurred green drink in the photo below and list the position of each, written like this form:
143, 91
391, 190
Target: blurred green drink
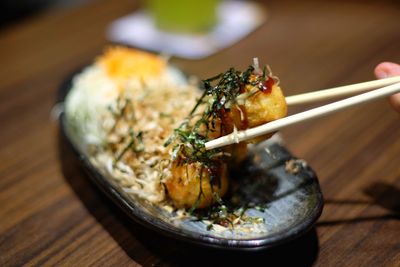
193, 16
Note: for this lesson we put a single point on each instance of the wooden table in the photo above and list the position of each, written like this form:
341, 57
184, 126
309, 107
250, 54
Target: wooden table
51, 214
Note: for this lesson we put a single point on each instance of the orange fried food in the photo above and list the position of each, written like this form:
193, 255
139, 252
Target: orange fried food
259, 107
122, 63
263, 107
258, 104
232, 101
193, 184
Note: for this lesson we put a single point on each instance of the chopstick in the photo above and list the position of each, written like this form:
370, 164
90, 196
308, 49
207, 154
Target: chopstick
340, 91
302, 116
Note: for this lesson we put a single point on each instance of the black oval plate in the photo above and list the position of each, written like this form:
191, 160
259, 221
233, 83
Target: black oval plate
292, 202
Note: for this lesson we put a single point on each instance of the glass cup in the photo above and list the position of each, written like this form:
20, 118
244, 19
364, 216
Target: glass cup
184, 16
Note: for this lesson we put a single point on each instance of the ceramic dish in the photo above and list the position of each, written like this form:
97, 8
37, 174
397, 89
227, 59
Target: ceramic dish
290, 198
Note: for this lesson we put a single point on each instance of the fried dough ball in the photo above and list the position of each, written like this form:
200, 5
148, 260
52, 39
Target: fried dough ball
260, 101
187, 178
256, 105
237, 152
259, 108
263, 107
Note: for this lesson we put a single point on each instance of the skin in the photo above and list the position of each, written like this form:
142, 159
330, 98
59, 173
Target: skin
385, 70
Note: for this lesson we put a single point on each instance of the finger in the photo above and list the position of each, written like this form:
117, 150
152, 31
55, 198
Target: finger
395, 101
387, 69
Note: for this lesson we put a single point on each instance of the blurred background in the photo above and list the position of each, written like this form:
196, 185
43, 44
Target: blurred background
310, 45
12, 11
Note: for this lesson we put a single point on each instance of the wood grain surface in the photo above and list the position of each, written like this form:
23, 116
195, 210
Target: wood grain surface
50, 214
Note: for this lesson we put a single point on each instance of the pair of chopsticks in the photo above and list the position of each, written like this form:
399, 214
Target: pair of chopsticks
391, 86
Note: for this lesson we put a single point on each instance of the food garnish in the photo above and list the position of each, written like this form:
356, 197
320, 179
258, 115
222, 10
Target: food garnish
145, 125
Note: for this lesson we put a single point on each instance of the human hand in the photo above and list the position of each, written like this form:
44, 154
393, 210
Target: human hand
385, 70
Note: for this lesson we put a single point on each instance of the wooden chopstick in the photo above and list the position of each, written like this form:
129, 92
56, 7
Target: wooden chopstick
340, 91
302, 116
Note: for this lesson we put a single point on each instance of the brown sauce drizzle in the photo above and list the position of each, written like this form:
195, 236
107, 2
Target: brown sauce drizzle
266, 86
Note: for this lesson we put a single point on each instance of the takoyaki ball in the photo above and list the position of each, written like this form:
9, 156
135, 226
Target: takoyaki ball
230, 119
263, 107
187, 178
259, 108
